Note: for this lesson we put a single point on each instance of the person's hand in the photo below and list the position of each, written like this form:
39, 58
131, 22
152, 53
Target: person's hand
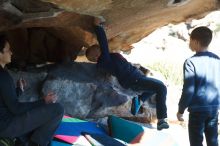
99, 20
179, 116
21, 83
50, 98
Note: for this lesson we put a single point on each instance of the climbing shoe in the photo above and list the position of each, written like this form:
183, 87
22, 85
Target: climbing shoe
162, 124
135, 105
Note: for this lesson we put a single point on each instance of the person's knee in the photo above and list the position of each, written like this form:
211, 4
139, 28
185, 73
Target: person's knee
163, 88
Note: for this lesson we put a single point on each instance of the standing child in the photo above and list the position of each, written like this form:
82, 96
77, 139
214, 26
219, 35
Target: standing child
201, 90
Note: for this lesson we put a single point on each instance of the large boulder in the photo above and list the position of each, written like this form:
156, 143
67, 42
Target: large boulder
83, 90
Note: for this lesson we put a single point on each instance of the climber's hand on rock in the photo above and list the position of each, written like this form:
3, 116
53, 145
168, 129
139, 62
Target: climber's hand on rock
99, 21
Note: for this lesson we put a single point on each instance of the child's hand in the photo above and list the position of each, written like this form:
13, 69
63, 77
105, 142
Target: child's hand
179, 116
50, 98
99, 20
21, 83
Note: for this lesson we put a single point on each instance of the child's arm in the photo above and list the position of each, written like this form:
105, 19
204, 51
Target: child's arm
102, 39
8, 95
188, 86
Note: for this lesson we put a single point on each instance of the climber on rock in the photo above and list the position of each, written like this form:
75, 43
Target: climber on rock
128, 75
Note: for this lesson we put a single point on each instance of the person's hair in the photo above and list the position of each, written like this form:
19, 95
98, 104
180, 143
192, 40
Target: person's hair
91, 49
203, 35
3, 41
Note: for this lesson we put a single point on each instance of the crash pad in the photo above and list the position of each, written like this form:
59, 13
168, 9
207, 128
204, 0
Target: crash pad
70, 129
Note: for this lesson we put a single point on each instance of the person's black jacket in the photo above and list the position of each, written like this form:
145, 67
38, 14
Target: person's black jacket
115, 63
9, 104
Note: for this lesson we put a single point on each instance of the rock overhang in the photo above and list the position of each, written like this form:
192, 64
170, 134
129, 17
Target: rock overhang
68, 24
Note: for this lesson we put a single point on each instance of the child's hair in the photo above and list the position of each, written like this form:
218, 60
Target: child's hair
91, 49
203, 35
3, 40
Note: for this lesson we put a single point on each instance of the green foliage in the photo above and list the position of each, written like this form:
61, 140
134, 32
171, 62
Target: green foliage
172, 72
217, 28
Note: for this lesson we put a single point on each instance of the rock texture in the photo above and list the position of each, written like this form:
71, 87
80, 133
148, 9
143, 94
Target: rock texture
56, 31
84, 91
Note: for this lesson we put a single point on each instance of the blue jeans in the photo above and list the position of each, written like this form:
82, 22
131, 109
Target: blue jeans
203, 122
150, 86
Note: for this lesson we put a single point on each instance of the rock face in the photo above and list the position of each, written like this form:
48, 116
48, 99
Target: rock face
84, 91
56, 31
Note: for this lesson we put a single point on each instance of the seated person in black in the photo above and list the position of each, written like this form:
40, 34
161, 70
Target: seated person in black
38, 120
128, 75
